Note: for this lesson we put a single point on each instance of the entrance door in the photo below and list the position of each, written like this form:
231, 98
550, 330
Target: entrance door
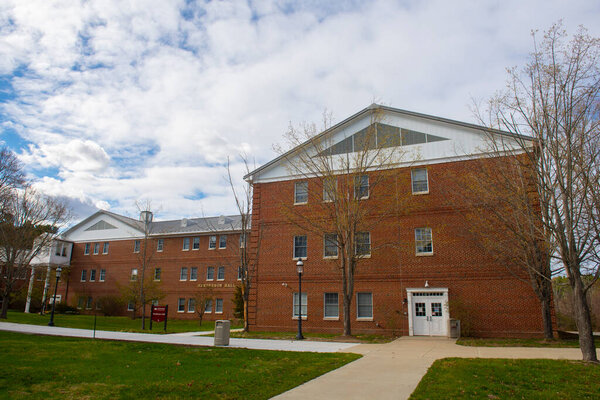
428, 314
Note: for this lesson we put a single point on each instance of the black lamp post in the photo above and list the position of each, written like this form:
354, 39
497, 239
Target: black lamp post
300, 269
58, 271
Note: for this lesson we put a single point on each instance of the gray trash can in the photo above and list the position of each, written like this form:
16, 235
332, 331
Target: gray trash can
453, 328
222, 332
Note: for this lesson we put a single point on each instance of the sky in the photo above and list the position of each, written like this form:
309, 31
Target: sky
111, 102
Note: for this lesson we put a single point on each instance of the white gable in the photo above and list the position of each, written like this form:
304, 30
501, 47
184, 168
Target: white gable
101, 227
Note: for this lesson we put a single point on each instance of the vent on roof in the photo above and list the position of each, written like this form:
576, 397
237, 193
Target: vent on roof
184, 222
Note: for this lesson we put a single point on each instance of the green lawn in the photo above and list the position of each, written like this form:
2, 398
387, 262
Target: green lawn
477, 378
44, 367
327, 337
501, 342
124, 324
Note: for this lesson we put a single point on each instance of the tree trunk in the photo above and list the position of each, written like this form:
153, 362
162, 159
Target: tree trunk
584, 322
3, 313
347, 304
245, 297
547, 318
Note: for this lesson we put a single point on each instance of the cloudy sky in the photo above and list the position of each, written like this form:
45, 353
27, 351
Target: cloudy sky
108, 102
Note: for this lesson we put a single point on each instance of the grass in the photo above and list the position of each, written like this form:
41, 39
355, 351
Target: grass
325, 337
476, 378
44, 367
501, 342
122, 324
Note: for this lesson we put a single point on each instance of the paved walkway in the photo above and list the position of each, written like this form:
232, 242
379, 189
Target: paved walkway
257, 344
393, 370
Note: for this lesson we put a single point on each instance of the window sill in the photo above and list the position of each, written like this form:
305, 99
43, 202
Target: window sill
222, 248
210, 280
183, 280
193, 280
330, 257
298, 258
207, 312
159, 251
212, 248
180, 311
196, 249
365, 319
185, 249
191, 312
296, 318
92, 280
424, 254
420, 193
104, 254
156, 280
101, 280
220, 280
331, 318
364, 256
218, 312
301, 204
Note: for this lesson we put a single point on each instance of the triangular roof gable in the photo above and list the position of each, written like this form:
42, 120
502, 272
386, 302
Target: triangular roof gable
124, 228
454, 139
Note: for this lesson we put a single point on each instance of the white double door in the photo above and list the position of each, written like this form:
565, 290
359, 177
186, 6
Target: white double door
428, 315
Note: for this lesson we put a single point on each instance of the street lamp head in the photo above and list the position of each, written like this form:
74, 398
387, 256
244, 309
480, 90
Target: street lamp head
300, 266
58, 271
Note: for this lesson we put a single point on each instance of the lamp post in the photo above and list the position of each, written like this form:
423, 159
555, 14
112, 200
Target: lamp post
58, 271
300, 269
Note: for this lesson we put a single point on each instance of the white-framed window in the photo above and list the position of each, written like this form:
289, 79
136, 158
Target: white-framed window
423, 241
136, 246
183, 274
239, 275
155, 302
80, 302
301, 192
186, 244
218, 306
420, 182
63, 251
210, 273
102, 275
330, 245
304, 299
223, 241
208, 306
363, 243
181, 305
130, 305
92, 275
96, 248
134, 274
361, 187
105, 248
212, 242
300, 246
88, 303
191, 305
329, 189
221, 273
83, 275
58, 249
331, 306
157, 274
364, 305
193, 273
160, 244
86, 249
196, 243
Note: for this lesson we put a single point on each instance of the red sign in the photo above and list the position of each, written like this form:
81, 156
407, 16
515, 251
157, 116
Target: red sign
159, 313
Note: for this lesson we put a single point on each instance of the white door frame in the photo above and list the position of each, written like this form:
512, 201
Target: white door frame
409, 297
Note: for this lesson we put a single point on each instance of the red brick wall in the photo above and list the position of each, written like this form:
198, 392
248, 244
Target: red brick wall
500, 304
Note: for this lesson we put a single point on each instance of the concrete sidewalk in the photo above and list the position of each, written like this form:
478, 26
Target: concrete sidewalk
257, 344
393, 370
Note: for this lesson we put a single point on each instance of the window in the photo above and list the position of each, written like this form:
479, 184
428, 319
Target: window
160, 244
363, 243
134, 274
208, 306
329, 189
186, 244
423, 241
105, 248
330, 245
239, 277
83, 275
64, 251
191, 305
301, 192
193, 274
361, 187
331, 306
92, 275
88, 303
96, 248
154, 302
102, 275
419, 180
210, 273
222, 241
300, 246
157, 273
304, 305
364, 305
130, 305
80, 302
136, 246
212, 242
58, 249
219, 306
86, 249
221, 273
183, 274
181, 305
196, 244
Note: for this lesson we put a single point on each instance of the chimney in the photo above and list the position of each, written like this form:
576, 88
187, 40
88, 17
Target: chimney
222, 220
146, 217
184, 222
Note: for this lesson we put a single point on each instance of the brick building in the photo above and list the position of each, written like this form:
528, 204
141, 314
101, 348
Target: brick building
417, 264
186, 259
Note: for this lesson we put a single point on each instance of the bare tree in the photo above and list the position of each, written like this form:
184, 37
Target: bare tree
138, 293
11, 175
554, 99
28, 224
343, 177
201, 298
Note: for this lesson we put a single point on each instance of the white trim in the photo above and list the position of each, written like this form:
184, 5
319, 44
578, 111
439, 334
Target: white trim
409, 297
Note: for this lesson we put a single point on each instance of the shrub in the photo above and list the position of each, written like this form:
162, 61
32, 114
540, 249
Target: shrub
63, 308
110, 305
